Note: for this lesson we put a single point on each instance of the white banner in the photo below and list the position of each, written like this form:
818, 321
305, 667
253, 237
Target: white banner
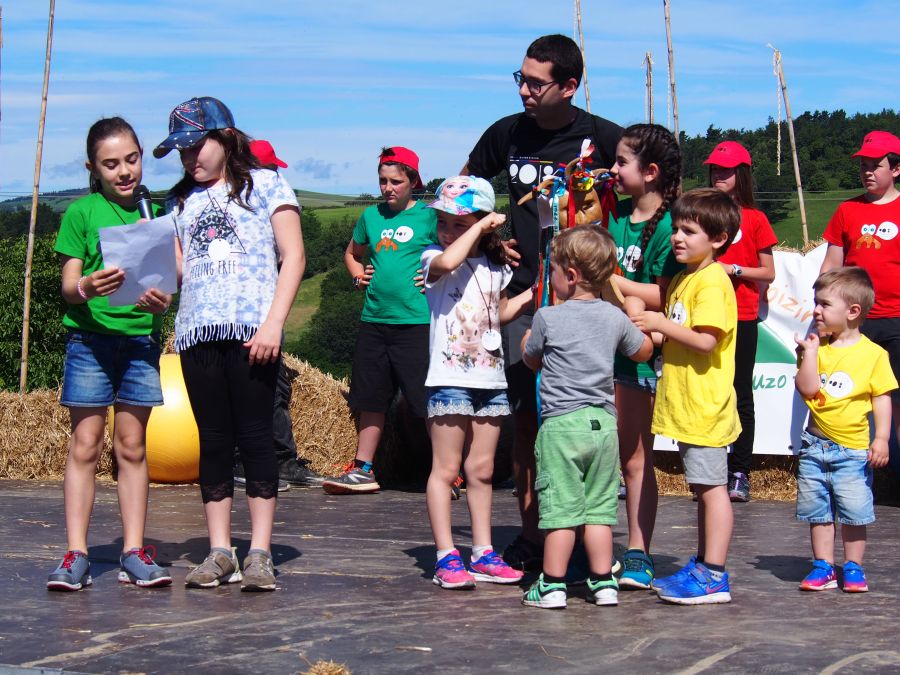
786, 309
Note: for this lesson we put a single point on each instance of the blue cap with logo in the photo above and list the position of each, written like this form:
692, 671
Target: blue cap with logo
191, 121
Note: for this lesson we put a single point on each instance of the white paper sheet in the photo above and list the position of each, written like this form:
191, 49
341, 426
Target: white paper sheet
146, 251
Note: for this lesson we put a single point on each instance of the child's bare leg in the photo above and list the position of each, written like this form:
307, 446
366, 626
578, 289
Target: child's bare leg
448, 435
85, 446
479, 471
262, 518
822, 537
371, 425
854, 537
129, 444
218, 522
717, 523
598, 542
558, 545
636, 452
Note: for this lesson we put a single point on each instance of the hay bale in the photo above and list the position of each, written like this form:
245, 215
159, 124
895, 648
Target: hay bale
34, 437
322, 667
772, 476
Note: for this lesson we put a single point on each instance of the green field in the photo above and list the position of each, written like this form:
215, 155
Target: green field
819, 208
305, 305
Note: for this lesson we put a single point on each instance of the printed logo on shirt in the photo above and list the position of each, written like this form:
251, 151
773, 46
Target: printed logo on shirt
678, 313
213, 240
837, 385
737, 237
528, 172
871, 235
629, 257
389, 238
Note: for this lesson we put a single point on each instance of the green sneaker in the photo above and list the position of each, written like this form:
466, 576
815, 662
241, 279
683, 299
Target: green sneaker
638, 571
545, 596
604, 592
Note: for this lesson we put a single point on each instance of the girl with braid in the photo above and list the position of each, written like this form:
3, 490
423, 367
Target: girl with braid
648, 170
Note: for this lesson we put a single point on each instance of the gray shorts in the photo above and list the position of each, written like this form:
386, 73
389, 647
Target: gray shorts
704, 465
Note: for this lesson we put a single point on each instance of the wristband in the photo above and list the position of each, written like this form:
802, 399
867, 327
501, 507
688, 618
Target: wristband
738, 270
356, 280
81, 290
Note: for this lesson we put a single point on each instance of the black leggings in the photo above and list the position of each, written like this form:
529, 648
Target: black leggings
233, 404
744, 360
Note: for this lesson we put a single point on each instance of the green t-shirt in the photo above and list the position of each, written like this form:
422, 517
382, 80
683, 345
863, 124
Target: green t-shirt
659, 261
79, 238
396, 242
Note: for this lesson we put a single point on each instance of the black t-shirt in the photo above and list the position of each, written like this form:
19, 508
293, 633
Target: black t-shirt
530, 154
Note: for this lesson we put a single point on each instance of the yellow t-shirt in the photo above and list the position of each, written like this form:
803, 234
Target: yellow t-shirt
695, 399
850, 376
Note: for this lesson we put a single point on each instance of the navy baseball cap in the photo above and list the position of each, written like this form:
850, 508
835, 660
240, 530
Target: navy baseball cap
191, 121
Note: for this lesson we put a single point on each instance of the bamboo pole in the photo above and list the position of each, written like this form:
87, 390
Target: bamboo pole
587, 89
648, 64
32, 222
671, 68
790, 122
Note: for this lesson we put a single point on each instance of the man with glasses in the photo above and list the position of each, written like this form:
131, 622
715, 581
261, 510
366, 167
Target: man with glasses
530, 146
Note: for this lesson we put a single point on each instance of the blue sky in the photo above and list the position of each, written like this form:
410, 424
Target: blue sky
329, 84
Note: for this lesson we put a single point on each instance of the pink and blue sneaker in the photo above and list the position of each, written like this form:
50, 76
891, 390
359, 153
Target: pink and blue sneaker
491, 568
821, 578
700, 587
449, 572
854, 578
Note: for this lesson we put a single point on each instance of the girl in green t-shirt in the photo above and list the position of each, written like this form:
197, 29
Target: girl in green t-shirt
647, 169
112, 359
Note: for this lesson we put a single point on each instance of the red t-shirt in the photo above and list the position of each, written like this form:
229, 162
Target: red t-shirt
868, 235
755, 234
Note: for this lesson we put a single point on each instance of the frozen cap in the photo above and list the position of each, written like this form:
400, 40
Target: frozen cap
462, 195
191, 121
729, 154
877, 144
265, 153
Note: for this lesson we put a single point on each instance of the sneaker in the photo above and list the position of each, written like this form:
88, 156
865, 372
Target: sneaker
72, 574
220, 567
456, 487
545, 596
854, 578
739, 487
259, 572
353, 480
298, 474
604, 592
677, 578
623, 491
821, 578
449, 572
138, 568
524, 555
638, 572
491, 568
241, 480
698, 587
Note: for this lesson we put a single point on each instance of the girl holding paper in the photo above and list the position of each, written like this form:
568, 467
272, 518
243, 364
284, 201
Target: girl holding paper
112, 359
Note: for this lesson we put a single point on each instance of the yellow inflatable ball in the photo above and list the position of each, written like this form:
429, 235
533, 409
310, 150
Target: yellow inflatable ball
173, 442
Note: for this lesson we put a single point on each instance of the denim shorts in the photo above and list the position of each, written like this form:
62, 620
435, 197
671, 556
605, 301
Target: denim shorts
833, 483
467, 401
103, 369
639, 383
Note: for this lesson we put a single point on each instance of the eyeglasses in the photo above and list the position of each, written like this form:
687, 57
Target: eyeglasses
534, 86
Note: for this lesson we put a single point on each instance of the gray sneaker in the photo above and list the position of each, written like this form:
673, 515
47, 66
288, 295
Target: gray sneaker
220, 567
72, 574
259, 572
353, 481
739, 487
138, 568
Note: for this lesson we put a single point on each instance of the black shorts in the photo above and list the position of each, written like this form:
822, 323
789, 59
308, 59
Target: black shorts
520, 380
886, 334
388, 356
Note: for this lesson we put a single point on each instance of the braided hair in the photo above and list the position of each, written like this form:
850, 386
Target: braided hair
654, 144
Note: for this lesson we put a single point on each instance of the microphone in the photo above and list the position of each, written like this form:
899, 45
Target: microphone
142, 201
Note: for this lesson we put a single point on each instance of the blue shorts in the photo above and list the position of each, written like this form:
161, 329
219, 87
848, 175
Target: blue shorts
647, 384
833, 483
467, 401
103, 369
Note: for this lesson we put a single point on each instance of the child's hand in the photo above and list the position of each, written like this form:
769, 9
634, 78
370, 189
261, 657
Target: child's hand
512, 254
365, 278
265, 345
154, 301
647, 321
491, 222
878, 453
419, 280
633, 305
810, 344
524, 340
103, 282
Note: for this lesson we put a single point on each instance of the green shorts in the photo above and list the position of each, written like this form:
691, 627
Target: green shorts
577, 480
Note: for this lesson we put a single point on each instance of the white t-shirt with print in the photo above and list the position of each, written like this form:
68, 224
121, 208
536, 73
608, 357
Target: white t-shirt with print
464, 305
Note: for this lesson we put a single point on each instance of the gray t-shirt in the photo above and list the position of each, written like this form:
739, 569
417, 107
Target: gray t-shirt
578, 341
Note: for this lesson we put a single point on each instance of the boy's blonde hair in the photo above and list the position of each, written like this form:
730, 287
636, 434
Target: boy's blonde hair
853, 284
588, 248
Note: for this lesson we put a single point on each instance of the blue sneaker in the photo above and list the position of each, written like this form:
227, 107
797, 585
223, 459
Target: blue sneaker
138, 568
638, 572
72, 574
697, 588
854, 578
676, 578
821, 578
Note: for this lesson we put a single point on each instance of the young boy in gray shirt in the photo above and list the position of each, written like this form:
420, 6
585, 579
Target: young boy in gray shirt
577, 449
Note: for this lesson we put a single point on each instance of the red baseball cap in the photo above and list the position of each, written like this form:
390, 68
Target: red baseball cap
404, 156
877, 144
729, 154
265, 153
